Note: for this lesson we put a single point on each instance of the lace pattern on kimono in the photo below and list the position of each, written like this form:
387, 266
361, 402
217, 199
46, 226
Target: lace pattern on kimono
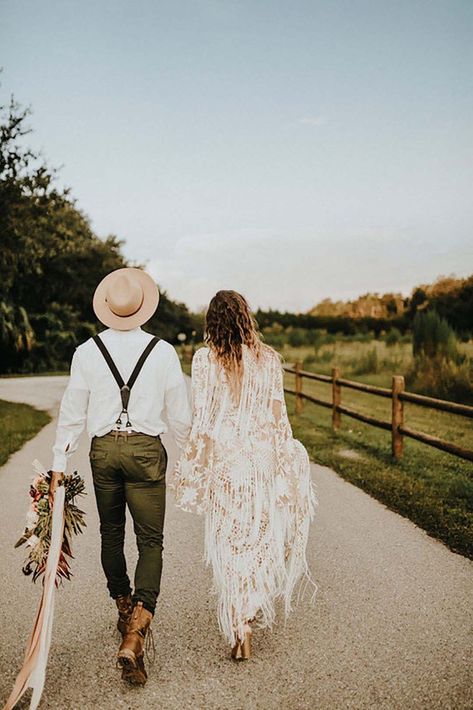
243, 469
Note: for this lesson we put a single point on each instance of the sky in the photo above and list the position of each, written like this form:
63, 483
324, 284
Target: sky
293, 151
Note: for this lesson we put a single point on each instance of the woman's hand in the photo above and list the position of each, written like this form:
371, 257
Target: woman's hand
56, 479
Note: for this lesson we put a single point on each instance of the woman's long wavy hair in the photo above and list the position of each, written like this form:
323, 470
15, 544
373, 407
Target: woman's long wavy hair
230, 325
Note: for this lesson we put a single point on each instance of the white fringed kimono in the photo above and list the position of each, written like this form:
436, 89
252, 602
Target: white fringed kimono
244, 470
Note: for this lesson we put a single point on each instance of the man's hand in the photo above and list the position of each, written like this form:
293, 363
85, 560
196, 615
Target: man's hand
56, 478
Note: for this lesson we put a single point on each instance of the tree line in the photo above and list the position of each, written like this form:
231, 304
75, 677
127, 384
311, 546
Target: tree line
449, 296
451, 299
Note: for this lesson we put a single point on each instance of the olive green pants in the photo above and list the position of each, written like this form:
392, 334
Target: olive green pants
131, 472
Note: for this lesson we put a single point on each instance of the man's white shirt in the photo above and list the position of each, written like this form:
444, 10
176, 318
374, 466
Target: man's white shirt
92, 397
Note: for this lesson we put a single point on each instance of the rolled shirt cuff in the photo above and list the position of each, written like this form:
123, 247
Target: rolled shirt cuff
59, 463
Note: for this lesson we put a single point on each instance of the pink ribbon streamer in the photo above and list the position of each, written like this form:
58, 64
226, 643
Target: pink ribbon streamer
33, 672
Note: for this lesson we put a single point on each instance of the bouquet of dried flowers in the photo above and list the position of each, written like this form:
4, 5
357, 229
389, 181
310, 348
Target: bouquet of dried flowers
37, 534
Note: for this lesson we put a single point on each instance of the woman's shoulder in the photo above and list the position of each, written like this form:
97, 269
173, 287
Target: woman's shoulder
201, 356
271, 356
265, 359
201, 353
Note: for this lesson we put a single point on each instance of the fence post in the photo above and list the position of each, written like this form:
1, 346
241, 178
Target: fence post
299, 404
336, 399
397, 419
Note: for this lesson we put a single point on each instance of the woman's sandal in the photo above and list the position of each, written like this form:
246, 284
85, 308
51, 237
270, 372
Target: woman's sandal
242, 649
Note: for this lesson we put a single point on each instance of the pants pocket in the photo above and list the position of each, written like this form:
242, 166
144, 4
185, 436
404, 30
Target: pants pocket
98, 460
98, 455
148, 463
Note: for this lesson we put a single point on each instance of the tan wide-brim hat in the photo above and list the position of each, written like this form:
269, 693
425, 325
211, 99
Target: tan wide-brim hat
125, 298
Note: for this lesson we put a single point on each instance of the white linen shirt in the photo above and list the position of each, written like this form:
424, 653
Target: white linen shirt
92, 395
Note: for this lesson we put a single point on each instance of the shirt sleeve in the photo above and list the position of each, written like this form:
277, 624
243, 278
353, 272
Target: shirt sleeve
72, 416
176, 401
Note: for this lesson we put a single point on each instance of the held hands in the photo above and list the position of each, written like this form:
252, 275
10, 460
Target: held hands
56, 479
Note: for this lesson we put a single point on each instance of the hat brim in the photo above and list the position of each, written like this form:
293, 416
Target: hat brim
142, 315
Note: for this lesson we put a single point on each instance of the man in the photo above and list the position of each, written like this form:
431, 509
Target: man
122, 383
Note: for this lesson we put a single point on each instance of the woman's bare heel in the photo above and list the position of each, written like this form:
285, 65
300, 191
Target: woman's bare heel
246, 646
236, 651
242, 649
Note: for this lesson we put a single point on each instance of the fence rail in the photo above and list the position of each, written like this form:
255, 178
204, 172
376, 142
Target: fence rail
398, 397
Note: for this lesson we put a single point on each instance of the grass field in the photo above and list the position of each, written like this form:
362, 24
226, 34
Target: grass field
356, 359
20, 422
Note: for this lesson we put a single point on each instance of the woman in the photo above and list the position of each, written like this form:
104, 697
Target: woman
243, 469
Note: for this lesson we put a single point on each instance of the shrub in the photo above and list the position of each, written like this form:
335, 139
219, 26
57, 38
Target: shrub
16, 335
326, 356
368, 363
364, 337
439, 368
439, 377
275, 336
393, 337
432, 336
309, 360
393, 365
276, 341
297, 337
314, 336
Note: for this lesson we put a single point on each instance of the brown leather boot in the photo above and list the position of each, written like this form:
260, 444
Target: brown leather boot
130, 654
125, 609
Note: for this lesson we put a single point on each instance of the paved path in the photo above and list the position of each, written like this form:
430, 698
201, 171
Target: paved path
392, 626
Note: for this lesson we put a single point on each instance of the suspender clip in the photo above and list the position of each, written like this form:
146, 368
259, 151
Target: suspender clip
125, 387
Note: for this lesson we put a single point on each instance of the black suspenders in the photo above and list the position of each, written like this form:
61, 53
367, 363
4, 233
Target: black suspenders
125, 387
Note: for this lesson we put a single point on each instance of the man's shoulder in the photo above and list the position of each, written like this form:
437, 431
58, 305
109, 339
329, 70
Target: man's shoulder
166, 348
165, 352
90, 344
166, 345
84, 348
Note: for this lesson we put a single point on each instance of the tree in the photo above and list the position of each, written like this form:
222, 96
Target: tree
172, 318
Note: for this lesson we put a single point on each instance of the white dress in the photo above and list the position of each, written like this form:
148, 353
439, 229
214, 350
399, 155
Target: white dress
244, 470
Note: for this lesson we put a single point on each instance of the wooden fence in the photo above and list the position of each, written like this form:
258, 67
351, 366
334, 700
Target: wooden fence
396, 394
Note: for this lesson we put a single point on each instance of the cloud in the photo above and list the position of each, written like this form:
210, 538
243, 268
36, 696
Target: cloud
199, 265
271, 270
312, 121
